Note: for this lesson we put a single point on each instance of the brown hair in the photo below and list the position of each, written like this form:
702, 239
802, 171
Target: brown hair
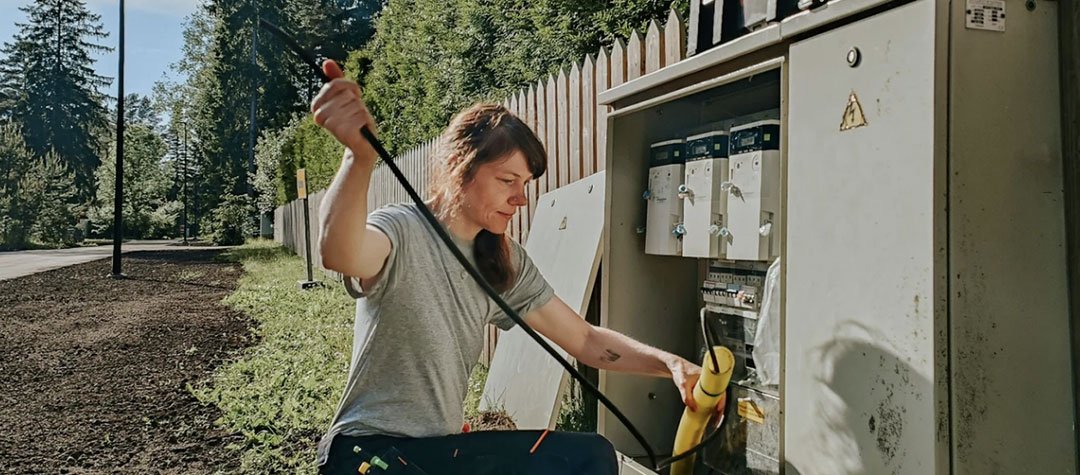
482, 133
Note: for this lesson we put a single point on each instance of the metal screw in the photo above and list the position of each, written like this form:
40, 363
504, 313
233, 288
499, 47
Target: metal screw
854, 57
1030, 5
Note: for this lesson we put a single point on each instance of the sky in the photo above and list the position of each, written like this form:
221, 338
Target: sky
153, 33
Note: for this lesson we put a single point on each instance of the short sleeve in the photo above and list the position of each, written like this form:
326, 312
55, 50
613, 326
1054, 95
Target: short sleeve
530, 291
393, 221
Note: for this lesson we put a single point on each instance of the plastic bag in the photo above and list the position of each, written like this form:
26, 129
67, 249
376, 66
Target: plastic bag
767, 339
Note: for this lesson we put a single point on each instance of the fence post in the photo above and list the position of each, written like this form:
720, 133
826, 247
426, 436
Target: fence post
603, 82
635, 50
674, 39
654, 48
574, 108
562, 134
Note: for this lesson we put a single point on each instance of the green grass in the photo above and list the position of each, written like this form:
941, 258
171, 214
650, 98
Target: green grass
280, 394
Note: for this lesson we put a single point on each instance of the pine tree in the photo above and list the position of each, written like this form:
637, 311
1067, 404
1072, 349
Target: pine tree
147, 180
222, 79
333, 28
140, 110
16, 217
52, 89
50, 186
180, 101
223, 101
37, 194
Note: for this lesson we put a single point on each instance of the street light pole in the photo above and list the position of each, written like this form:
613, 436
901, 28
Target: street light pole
253, 130
118, 192
184, 171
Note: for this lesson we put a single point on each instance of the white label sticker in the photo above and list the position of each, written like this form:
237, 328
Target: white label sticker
986, 15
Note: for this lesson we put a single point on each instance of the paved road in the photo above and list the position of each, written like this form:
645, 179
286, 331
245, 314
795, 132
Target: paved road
19, 263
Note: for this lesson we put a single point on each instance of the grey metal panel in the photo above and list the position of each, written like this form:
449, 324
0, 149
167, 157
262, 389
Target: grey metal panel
830, 12
713, 82
1012, 406
862, 346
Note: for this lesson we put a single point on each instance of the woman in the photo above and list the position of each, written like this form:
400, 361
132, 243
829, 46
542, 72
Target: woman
420, 321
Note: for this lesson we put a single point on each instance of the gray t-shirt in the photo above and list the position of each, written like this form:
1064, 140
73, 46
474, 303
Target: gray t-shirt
419, 330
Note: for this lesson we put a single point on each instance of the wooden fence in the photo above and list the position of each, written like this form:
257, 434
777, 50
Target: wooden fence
560, 109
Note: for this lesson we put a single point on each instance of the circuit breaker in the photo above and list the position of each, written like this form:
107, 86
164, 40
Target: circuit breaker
703, 202
738, 288
664, 222
753, 188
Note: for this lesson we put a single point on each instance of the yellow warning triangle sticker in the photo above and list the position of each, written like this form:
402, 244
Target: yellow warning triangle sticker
853, 114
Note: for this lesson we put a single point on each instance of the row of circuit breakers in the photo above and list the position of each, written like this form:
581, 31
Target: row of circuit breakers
716, 195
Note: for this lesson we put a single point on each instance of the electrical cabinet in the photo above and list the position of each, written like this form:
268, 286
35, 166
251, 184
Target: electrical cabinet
911, 187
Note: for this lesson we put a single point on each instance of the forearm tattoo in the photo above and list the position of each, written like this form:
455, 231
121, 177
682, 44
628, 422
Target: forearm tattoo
610, 356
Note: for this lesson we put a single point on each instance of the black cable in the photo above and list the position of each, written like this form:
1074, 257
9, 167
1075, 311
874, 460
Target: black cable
310, 58
709, 342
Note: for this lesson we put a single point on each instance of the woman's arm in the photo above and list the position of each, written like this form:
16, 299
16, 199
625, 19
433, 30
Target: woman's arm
346, 243
607, 349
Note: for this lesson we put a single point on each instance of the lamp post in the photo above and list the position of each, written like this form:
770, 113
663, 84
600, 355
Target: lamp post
184, 186
118, 194
254, 127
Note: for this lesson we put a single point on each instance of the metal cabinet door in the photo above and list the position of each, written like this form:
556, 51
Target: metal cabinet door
863, 355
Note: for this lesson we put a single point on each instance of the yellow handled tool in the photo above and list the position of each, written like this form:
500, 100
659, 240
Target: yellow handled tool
707, 394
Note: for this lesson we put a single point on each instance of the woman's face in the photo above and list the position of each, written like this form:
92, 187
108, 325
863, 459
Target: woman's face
496, 192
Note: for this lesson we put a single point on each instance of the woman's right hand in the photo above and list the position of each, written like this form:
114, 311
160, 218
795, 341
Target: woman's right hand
340, 109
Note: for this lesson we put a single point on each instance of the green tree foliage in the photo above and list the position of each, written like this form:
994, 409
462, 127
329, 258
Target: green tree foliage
50, 87
272, 162
431, 58
181, 160
332, 29
50, 188
148, 179
176, 101
16, 214
37, 194
218, 59
140, 110
230, 222
427, 60
281, 152
618, 18
318, 153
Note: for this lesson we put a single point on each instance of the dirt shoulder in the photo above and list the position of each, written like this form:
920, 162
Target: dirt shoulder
93, 371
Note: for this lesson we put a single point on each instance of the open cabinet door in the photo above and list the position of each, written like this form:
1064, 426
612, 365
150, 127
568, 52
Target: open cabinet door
564, 243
